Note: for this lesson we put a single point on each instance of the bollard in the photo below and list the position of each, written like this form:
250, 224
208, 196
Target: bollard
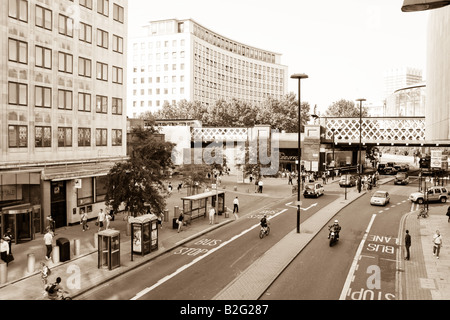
96, 240
166, 215
76, 247
55, 254
176, 211
31, 261
128, 228
235, 188
3, 272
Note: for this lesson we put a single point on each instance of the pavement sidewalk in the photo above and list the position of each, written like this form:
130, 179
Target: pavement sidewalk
423, 276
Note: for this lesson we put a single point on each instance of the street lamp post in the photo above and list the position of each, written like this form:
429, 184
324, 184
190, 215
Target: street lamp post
360, 127
299, 76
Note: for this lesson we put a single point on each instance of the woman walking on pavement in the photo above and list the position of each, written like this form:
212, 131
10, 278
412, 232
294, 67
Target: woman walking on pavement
437, 243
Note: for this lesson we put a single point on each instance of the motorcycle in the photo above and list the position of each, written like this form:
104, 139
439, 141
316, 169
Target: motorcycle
263, 232
333, 238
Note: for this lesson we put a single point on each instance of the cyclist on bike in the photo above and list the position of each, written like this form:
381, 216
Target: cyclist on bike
264, 223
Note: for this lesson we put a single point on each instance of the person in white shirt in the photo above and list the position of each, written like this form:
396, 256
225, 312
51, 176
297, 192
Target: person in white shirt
212, 212
48, 241
236, 205
101, 219
437, 240
4, 250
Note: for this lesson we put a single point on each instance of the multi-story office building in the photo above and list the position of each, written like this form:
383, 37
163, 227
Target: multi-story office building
408, 101
400, 77
178, 60
62, 106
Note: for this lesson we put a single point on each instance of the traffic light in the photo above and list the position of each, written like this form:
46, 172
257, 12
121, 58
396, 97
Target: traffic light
424, 163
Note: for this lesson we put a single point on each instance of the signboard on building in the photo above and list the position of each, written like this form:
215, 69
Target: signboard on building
436, 159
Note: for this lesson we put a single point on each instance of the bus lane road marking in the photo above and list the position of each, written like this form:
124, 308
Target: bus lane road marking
199, 258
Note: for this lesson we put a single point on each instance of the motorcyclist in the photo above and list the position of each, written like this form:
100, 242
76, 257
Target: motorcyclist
264, 223
334, 228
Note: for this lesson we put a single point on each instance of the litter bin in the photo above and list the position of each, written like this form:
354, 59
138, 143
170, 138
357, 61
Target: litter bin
64, 249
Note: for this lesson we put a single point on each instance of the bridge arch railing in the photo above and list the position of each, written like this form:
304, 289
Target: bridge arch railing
374, 129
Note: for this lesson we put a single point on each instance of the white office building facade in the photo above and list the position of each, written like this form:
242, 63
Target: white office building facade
178, 60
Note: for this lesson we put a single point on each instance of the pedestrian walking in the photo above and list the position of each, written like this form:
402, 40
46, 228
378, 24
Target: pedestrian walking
212, 213
51, 224
48, 241
4, 250
180, 185
251, 178
45, 272
9, 238
407, 244
84, 220
437, 243
169, 188
236, 205
448, 214
160, 219
101, 220
180, 221
260, 186
290, 178
256, 185
108, 219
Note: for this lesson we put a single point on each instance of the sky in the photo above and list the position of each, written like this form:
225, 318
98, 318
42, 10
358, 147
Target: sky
344, 46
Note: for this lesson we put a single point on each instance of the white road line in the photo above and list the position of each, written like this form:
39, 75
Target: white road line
186, 266
353, 267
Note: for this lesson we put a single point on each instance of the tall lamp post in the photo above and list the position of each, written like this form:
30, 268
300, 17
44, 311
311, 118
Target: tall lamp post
299, 76
360, 127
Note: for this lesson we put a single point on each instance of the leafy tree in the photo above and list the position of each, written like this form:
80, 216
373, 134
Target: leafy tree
194, 176
139, 180
345, 108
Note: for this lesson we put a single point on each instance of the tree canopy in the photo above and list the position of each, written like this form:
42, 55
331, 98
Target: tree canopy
345, 108
138, 182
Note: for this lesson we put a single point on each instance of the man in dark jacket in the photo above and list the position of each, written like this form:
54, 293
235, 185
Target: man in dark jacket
407, 244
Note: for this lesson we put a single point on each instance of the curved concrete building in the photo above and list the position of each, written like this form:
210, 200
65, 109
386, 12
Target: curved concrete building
437, 118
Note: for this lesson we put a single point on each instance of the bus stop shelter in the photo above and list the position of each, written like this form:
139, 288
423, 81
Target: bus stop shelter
197, 205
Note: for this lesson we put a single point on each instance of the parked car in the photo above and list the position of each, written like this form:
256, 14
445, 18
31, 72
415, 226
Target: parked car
313, 190
434, 194
380, 198
347, 180
401, 178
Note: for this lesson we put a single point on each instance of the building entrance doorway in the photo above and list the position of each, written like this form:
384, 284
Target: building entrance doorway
58, 203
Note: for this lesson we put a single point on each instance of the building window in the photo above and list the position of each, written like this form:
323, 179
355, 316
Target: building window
17, 94
100, 188
85, 32
116, 136
84, 67
86, 3
102, 71
84, 102
101, 104
65, 62
84, 137
18, 9
65, 25
64, 137
18, 51
65, 99
42, 137
43, 18
101, 137
117, 106
17, 136
118, 13
43, 57
117, 76
85, 195
43, 97
117, 44
103, 7
102, 38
